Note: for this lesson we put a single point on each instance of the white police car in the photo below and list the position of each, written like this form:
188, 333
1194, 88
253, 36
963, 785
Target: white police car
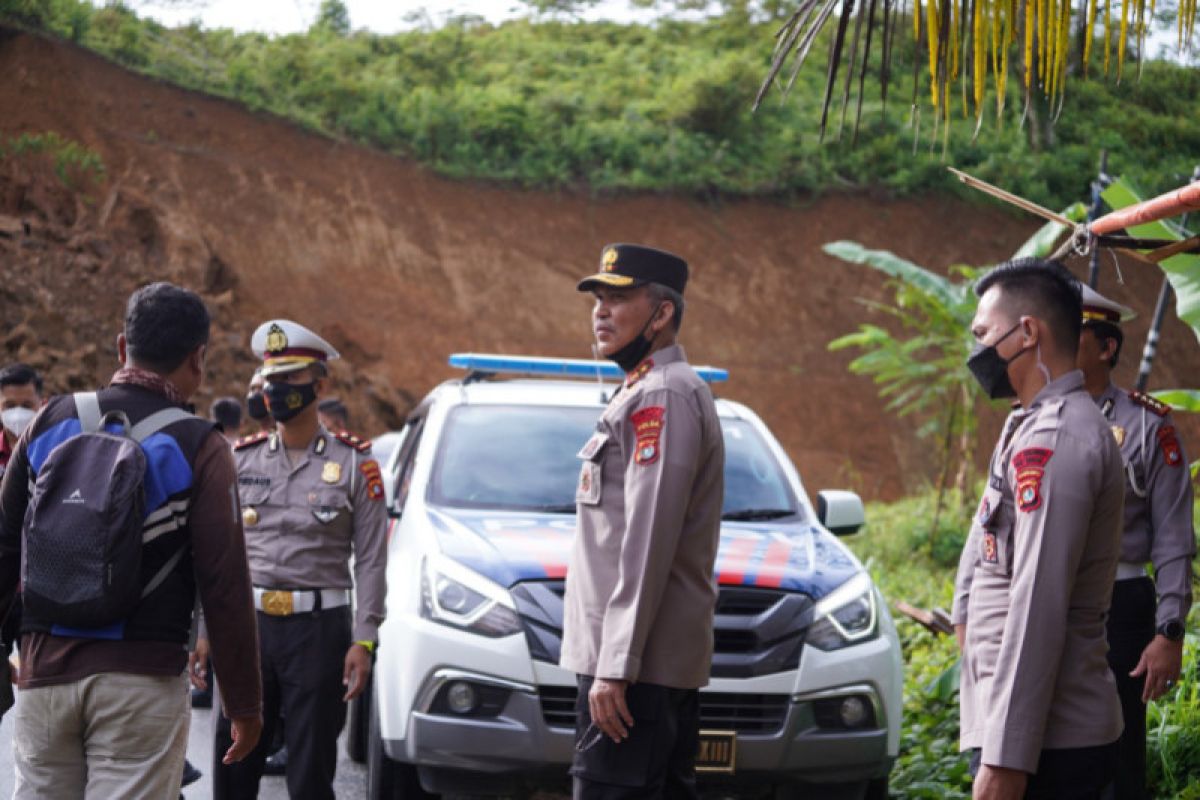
468, 697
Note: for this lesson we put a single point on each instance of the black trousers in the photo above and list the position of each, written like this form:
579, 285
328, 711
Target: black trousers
658, 760
1078, 773
1130, 630
302, 661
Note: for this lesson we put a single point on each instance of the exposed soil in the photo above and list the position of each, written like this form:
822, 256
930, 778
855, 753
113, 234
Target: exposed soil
398, 267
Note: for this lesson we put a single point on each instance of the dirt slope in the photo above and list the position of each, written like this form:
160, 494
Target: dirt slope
398, 267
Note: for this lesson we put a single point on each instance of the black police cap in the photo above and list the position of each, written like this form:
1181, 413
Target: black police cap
625, 266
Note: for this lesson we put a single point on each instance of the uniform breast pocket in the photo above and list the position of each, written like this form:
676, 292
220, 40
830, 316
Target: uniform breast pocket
995, 533
327, 504
587, 489
254, 491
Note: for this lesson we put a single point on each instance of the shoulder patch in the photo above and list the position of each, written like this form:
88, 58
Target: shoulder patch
1168, 442
370, 470
1154, 404
349, 439
648, 425
1030, 465
252, 439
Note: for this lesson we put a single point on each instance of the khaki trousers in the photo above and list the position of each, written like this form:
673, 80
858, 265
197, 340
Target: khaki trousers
112, 735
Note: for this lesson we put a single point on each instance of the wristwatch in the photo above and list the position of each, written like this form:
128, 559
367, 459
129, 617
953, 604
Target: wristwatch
1171, 629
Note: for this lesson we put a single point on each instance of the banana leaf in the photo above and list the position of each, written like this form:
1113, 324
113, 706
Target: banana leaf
1183, 270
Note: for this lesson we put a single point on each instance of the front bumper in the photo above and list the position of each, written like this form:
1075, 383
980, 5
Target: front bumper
780, 737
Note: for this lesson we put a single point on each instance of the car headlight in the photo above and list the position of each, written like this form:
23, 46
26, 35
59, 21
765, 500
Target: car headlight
847, 616
451, 602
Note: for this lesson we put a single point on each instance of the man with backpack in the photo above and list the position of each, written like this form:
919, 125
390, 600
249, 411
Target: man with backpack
118, 511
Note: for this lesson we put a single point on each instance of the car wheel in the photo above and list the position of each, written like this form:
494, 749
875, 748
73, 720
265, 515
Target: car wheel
358, 727
388, 779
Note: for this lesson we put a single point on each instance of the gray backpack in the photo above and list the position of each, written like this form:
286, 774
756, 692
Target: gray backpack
83, 526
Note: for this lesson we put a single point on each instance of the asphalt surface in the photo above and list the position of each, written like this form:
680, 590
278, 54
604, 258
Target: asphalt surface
351, 781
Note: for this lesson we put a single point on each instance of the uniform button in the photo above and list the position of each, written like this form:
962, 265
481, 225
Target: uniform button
250, 516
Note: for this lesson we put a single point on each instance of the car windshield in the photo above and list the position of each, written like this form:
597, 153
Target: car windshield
525, 458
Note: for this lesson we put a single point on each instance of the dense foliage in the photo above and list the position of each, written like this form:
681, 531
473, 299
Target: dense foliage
629, 107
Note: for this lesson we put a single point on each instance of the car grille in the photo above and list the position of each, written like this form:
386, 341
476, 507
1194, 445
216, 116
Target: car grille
744, 713
755, 631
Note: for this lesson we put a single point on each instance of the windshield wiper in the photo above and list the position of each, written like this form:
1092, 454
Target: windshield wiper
557, 508
749, 514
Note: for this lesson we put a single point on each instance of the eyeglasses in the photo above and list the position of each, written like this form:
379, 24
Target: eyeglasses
591, 737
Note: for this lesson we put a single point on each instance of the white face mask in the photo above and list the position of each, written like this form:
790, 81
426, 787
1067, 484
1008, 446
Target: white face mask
17, 419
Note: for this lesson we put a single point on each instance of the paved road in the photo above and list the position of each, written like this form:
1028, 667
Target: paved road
350, 784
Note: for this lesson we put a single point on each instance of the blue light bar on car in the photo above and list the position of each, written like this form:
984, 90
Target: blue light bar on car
557, 367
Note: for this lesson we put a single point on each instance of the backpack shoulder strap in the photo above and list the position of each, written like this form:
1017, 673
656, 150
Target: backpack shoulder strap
87, 407
157, 421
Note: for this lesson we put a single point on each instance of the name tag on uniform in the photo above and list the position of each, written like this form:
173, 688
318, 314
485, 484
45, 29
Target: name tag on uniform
593, 446
588, 489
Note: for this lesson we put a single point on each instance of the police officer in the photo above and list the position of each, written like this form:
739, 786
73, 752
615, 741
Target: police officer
1040, 712
640, 593
310, 500
1146, 621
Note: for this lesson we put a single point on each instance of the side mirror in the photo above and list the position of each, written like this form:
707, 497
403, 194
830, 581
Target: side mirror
841, 512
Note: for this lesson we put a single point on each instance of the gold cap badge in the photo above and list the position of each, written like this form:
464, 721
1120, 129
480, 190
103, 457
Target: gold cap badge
609, 261
276, 339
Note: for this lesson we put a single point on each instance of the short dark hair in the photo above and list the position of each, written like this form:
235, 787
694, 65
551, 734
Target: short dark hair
163, 324
1104, 332
227, 412
332, 407
660, 293
1040, 288
18, 374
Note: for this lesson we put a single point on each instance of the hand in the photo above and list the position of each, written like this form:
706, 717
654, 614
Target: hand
1161, 663
606, 702
999, 783
198, 665
356, 671
960, 636
245, 731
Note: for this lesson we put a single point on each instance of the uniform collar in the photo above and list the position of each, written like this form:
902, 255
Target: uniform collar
666, 355
1062, 385
1107, 400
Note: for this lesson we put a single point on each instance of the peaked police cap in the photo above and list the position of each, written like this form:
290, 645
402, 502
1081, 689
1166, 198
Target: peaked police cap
628, 265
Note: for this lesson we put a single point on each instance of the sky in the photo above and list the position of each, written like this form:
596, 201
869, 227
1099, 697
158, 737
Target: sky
378, 16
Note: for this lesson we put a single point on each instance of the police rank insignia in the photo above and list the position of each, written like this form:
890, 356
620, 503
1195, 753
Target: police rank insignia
370, 471
1119, 434
647, 427
1169, 443
331, 472
1030, 465
639, 372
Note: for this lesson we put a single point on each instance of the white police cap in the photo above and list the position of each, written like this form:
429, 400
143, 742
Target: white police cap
286, 346
1098, 308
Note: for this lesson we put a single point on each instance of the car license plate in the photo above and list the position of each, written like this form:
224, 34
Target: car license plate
718, 752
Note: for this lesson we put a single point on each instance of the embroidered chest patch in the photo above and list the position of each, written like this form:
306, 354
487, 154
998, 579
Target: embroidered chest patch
648, 427
1169, 443
1030, 466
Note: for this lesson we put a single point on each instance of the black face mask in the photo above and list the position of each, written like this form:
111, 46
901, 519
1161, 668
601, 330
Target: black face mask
286, 400
991, 370
256, 406
632, 354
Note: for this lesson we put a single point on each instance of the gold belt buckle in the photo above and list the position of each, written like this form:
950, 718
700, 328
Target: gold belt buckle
277, 604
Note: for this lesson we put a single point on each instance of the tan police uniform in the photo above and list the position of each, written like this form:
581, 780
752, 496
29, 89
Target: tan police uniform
1034, 585
1157, 529
307, 515
640, 589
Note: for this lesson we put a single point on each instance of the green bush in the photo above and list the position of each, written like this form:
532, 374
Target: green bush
620, 107
75, 165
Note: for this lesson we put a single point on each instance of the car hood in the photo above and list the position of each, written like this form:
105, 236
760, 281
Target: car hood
512, 547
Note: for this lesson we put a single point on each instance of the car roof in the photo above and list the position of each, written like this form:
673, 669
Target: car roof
533, 391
